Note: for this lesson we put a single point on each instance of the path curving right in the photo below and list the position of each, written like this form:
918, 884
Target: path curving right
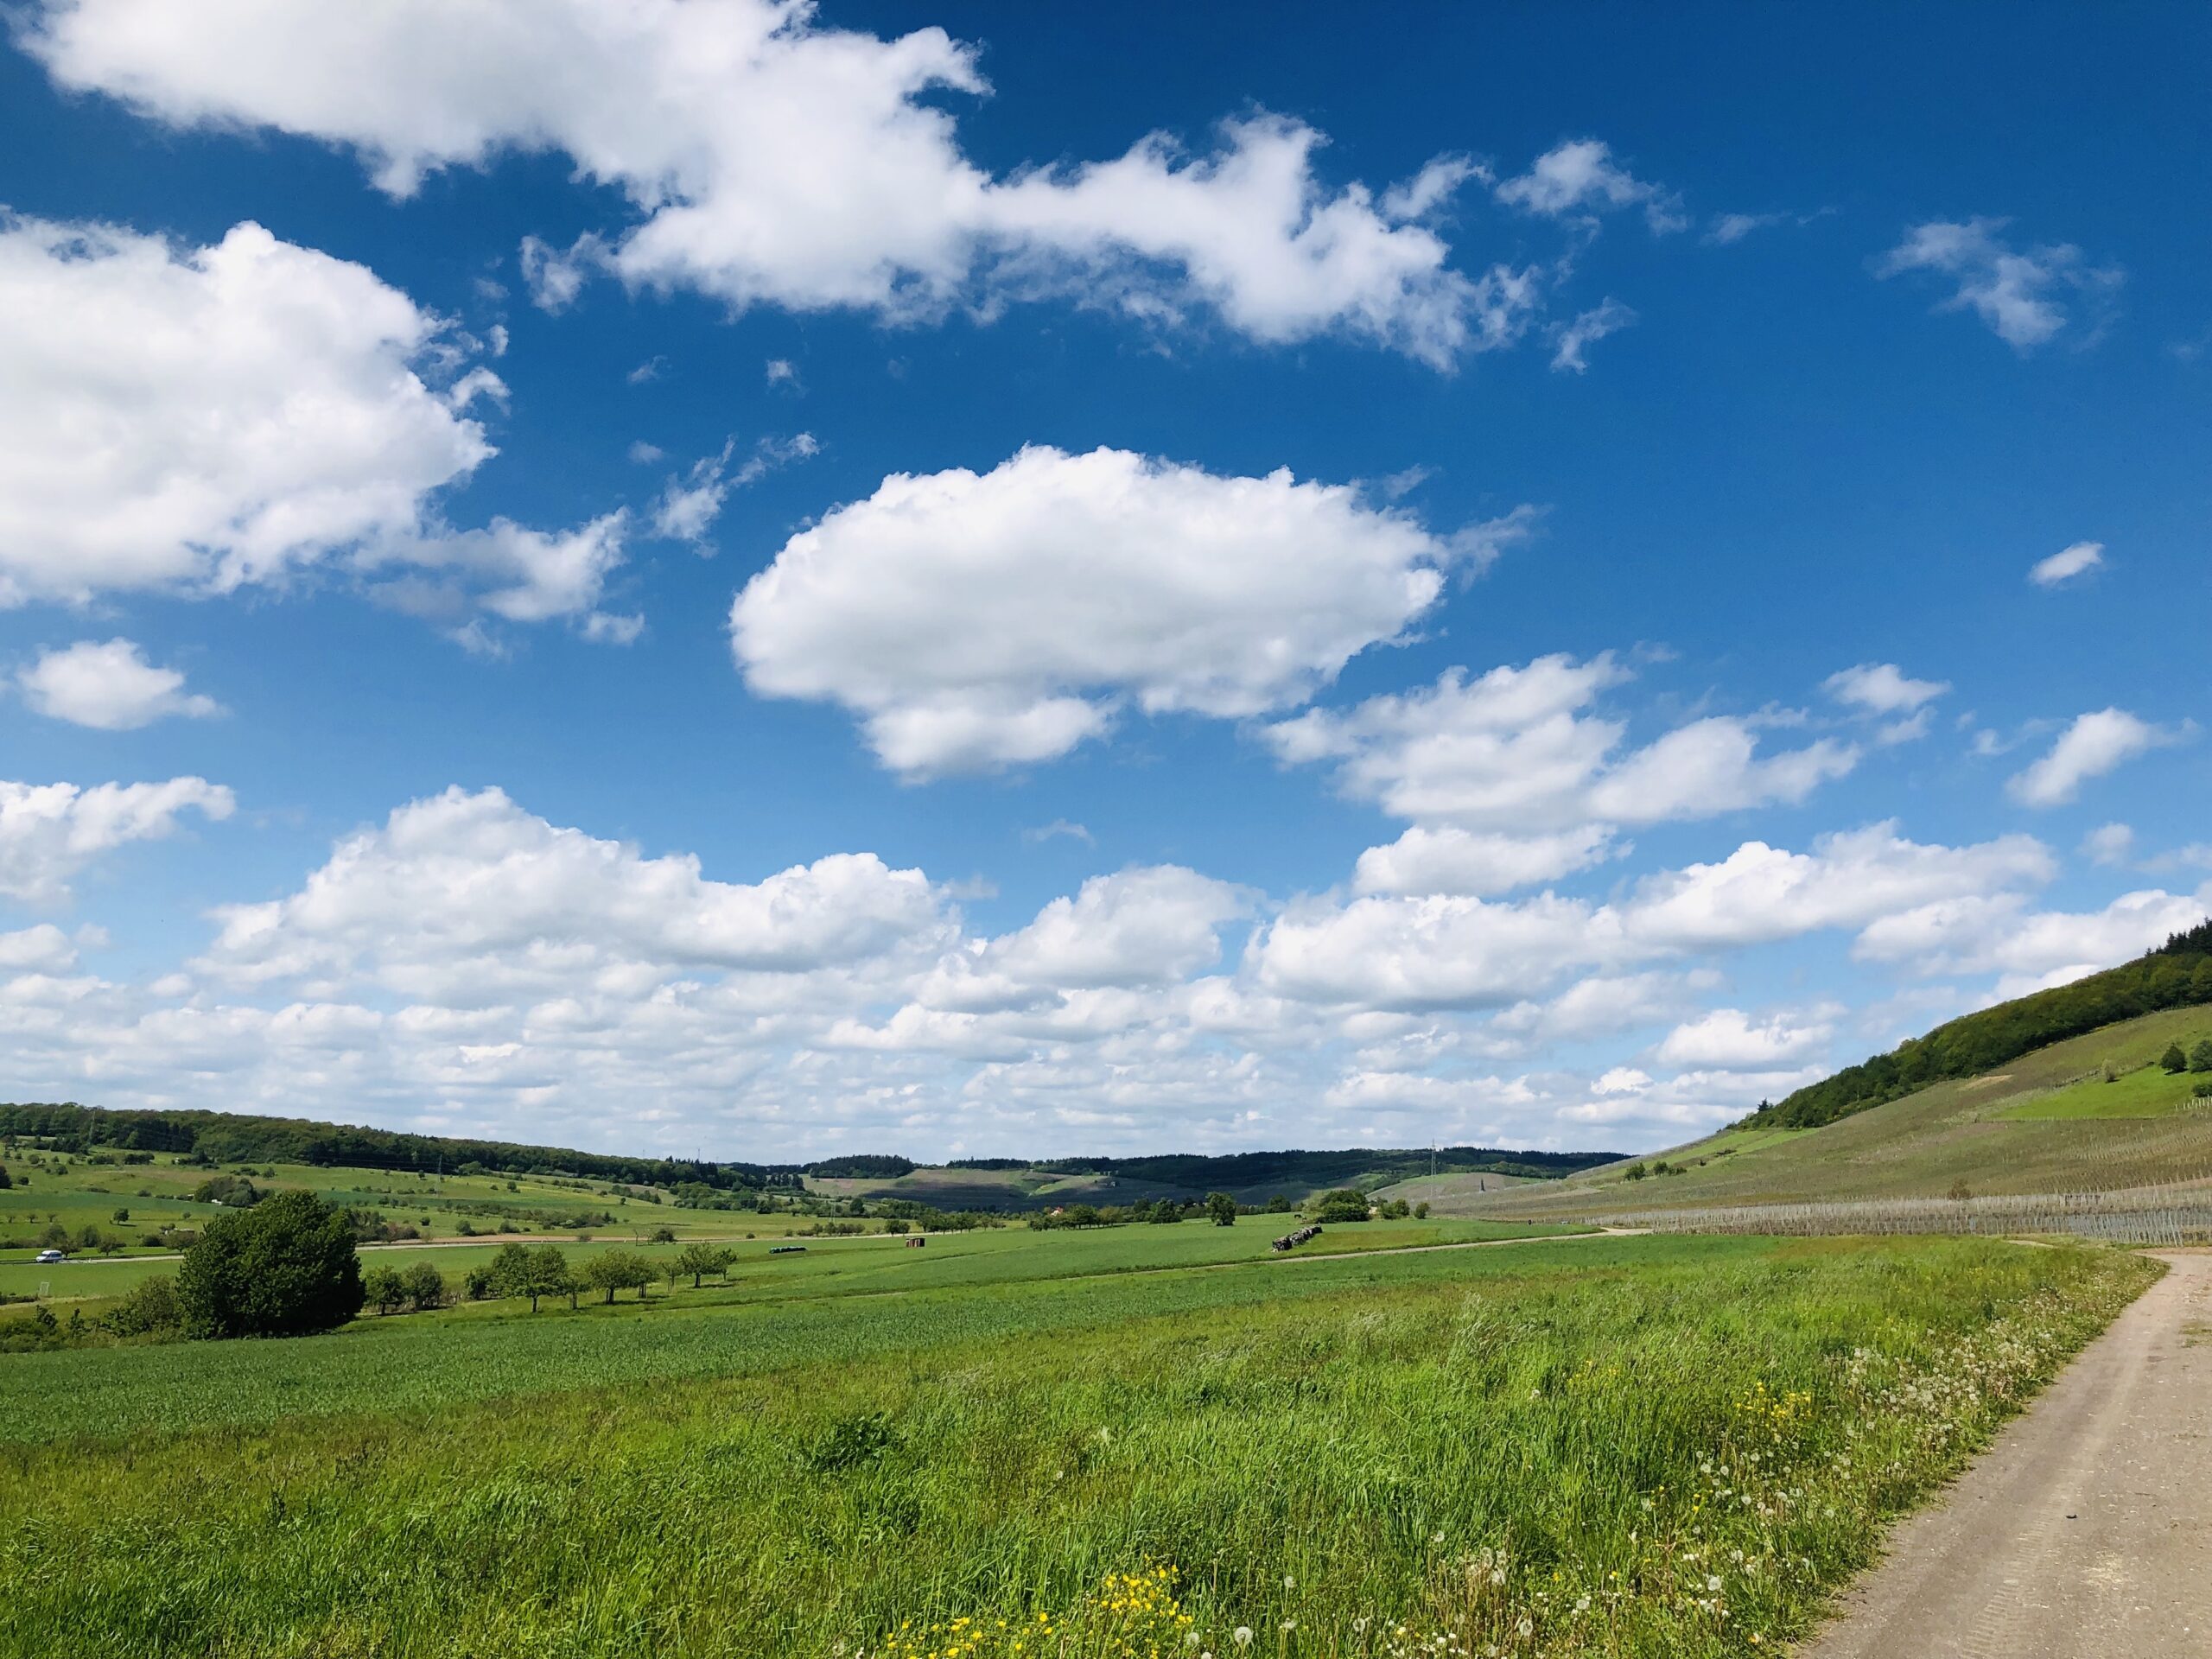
2085, 1531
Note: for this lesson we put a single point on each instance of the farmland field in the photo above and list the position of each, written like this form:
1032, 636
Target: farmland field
1596, 1446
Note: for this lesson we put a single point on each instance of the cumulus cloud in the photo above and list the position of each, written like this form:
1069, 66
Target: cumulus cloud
2027, 296
1759, 895
2066, 564
1581, 177
1450, 859
110, 687
198, 420
978, 620
49, 832
1883, 688
1446, 950
1728, 1040
2092, 746
2030, 949
769, 159
1513, 752
465, 895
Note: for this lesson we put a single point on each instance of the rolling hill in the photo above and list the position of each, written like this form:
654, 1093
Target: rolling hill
2044, 1122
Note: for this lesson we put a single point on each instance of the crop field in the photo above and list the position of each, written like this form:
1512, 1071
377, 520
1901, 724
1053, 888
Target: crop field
1583, 1447
877, 1261
73, 1192
2044, 1123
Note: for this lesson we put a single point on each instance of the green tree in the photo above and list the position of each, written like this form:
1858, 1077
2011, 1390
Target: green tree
479, 1284
149, 1308
1279, 1205
6, 1180
284, 1267
2173, 1059
661, 1236
509, 1271
1220, 1209
614, 1270
1420, 1211
1341, 1204
426, 1286
383, 1290
699, 1260
557, 1274
2200, 1056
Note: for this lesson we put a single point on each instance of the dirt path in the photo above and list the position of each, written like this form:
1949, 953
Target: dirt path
2085, 1530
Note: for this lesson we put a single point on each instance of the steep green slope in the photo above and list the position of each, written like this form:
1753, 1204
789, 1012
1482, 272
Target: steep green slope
2044, 1123
2178, 974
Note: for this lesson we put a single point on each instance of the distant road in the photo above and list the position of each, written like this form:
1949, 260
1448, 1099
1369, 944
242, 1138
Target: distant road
2086, 1531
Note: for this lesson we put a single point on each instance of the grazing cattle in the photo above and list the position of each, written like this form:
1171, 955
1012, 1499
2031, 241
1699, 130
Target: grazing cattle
1291, 1240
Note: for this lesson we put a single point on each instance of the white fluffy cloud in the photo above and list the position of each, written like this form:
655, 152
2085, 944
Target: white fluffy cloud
1728, 1040
2030, 949
1450, 859
1581, 177
2092, 746
198, 420
771, 159
1759, 893
1513, 752
1883, 688
467, 896
48, 832
974, 620
111, 688
2066, 564
1445, 951
2027, 296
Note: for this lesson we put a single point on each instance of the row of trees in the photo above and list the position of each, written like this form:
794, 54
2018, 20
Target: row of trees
2198, 1059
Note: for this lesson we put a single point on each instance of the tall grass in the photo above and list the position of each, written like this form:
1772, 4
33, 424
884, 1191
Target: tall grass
1636, 1447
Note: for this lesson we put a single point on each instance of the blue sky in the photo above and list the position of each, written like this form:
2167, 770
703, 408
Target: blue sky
696, 573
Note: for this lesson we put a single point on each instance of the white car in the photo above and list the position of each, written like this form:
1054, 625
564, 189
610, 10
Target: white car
51, 1256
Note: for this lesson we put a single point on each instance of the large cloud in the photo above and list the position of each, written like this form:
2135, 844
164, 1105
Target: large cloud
467, 896
770, 159
980, 620
1447, 951
198, 420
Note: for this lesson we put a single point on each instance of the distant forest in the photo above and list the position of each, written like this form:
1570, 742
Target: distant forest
1249, 1169
2176, 975
222, 1138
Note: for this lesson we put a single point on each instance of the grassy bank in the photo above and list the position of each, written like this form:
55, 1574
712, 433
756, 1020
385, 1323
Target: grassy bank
1634, 1445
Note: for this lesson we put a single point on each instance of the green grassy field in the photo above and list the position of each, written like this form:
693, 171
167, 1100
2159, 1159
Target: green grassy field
2147, 1091
2043, 1123
1605, 1446
877, 1261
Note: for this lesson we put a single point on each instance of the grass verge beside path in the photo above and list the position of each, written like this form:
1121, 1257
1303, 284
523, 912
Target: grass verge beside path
1663, 1446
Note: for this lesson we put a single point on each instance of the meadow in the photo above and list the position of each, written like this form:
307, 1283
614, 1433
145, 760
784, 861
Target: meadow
876, 1261
1597, 1445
